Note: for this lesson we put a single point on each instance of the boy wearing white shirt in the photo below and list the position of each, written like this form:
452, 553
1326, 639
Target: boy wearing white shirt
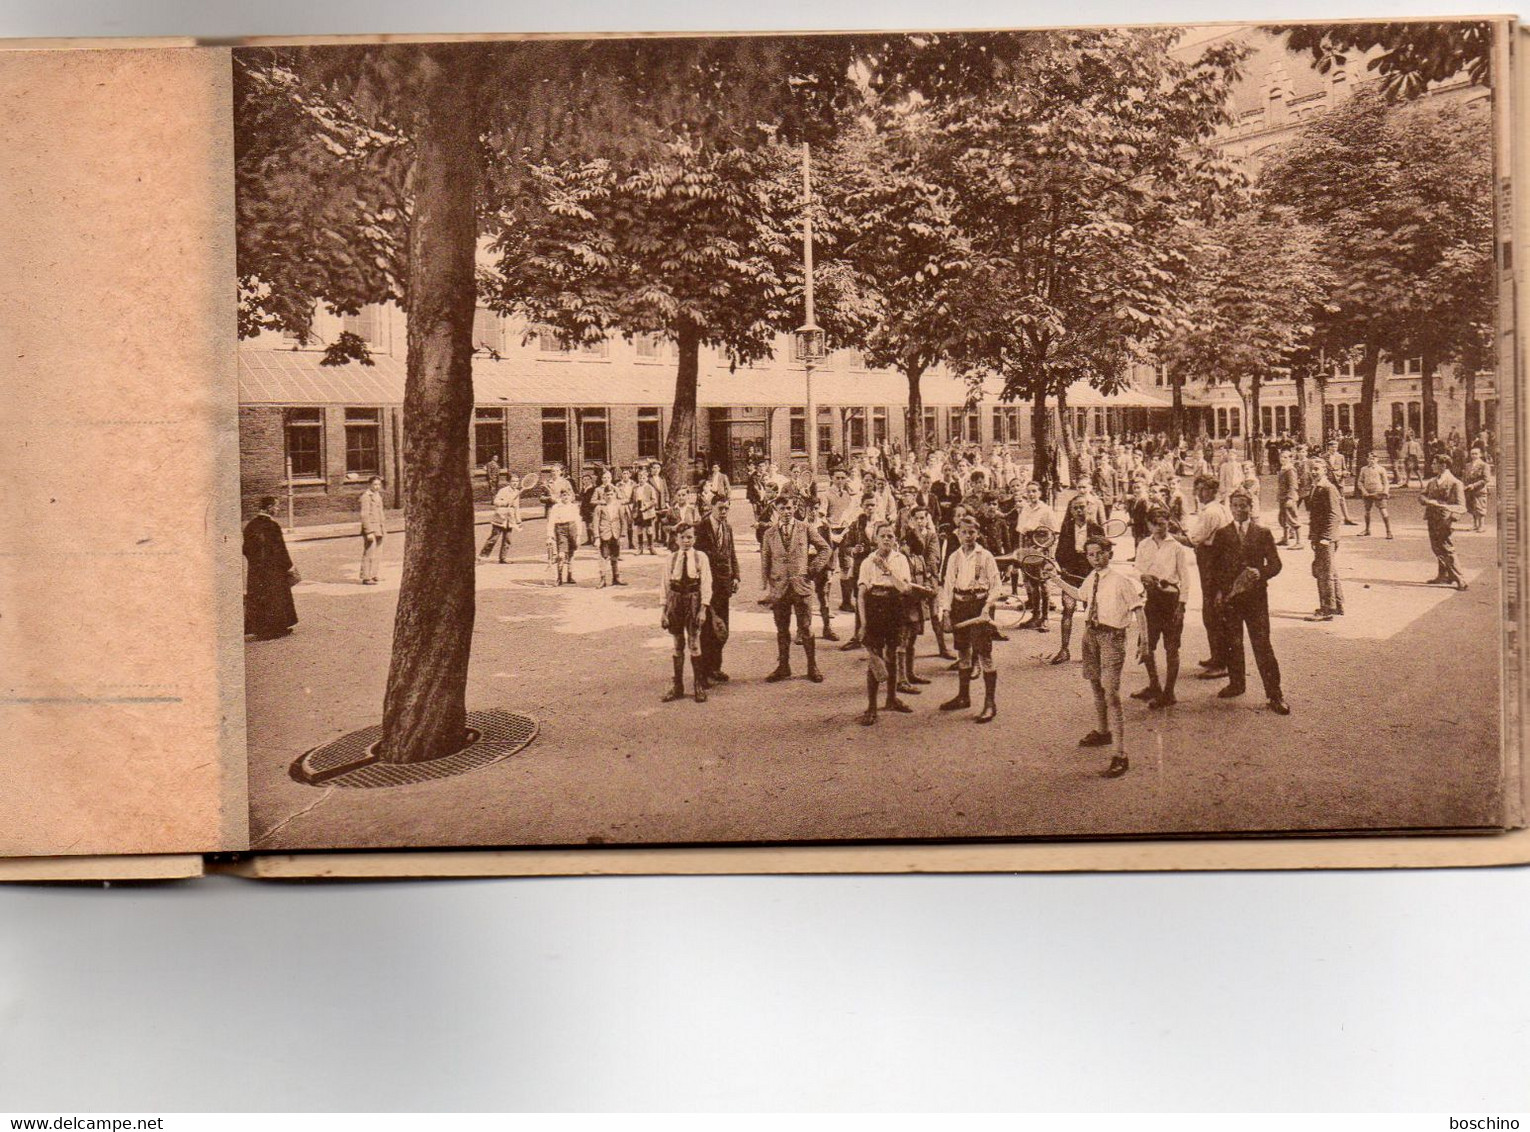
1114, 600
686, 594
884, 578
970, 588
565, 531
1164, 566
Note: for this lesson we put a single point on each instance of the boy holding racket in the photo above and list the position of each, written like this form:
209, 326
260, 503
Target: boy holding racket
969, 593
1037, 529
1164, 566
565, 531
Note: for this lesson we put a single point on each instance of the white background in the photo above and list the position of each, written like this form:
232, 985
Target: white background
1319, 991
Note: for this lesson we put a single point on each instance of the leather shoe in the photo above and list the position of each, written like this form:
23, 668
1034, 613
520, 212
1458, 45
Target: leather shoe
1212, 674
1163, 700
1280, 707
1118, 766
1321, 617
897, 705
1231, 692
815, 676
718, 677
1151, 692
1062, 657
1096, 739
778, 675
868, 717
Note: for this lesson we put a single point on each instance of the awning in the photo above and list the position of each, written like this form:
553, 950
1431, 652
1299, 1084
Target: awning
295, 377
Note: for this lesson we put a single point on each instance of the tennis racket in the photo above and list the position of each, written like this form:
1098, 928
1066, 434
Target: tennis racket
1116, 528
530, 480
1038, 566
1043, 537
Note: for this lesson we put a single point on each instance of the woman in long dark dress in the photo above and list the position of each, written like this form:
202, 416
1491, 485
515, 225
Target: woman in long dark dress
268, 608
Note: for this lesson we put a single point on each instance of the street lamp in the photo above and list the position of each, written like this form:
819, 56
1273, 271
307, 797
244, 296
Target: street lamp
809, 347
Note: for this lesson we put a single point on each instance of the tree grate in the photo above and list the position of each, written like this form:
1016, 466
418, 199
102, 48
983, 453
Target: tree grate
348, 761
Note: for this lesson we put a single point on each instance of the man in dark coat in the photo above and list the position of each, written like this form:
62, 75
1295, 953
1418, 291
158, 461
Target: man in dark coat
714, 538
268, 608
1243, 560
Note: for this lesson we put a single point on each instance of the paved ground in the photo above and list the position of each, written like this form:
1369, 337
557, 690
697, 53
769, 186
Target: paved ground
1394, 724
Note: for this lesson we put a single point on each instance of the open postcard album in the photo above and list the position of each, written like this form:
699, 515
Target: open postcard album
1050, 449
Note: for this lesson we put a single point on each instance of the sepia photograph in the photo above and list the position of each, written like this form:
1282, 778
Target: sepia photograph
782, 439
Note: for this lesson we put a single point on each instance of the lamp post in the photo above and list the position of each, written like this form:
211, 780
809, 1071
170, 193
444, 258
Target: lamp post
809, 338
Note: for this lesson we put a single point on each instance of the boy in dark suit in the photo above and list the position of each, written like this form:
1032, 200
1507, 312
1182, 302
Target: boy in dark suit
1243, 560
714, 538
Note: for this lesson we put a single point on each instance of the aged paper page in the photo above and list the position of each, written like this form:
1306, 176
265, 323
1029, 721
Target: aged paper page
116, 705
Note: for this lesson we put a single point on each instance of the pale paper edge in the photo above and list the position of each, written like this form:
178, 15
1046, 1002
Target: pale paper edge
55, 870
121, 704
1422, 852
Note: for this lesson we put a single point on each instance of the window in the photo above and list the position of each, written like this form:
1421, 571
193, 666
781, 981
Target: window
1399, 420
593, 446
1221, 427
1416, 417
1329, 419
488, 331
1161, 374
367, 325
648, 428
857, 421
488, 436
1406, 366
555, 436
305, 443
1267, 420
548, 343
1284, 418
652, 348
1344, 368
363, 442
1235, 425
931, 426
599, 349
879, 426
799, 432
1344, 418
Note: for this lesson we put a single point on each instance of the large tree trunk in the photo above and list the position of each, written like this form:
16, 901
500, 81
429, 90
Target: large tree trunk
1469, 391
1365, 426
682, 417
1178, 426
913, 426
1253, 426
1322, 410
1041, 441
1065, 421
1431, 408
425, 708
1300, 427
